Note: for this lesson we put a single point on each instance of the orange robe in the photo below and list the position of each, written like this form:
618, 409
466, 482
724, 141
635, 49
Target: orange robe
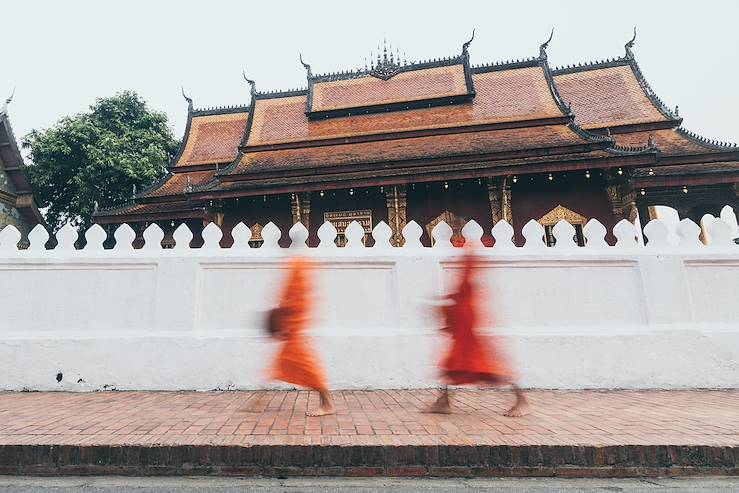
469, 360
296, 363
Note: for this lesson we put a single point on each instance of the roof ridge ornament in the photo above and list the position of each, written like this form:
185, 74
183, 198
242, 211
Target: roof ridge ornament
252, 84
466, 45
543, 47
306, 66
385, 67
4, 107
189, 100
629, 45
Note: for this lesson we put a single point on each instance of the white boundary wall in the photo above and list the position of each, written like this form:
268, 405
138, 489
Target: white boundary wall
627, 316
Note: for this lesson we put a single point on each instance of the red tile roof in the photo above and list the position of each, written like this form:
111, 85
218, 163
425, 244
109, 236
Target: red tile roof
149, 208
668, 141
212, 139
439, 146
607, 97
520, 94
175, 183
412, 85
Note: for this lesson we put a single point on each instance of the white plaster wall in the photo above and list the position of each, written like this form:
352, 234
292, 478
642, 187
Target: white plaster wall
190, 319
629, 316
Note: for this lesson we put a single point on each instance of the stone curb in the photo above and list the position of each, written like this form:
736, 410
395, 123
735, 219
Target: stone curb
398, 461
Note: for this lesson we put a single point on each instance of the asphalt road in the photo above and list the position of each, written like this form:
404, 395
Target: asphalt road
321, 485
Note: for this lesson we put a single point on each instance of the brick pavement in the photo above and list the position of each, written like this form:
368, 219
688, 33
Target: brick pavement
627, 432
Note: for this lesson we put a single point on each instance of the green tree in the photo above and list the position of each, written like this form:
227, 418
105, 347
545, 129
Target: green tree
98, 157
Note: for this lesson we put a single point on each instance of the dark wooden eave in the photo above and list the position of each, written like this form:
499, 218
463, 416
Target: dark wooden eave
398, 106
636, 127
154, 216
474, 167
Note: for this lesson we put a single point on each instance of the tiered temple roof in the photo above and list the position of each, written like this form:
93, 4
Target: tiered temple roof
614, 97
395, 122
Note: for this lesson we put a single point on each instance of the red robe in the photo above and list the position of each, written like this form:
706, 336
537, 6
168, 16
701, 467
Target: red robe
469, 359
296, 363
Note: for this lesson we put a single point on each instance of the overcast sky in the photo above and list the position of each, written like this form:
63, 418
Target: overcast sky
60, 56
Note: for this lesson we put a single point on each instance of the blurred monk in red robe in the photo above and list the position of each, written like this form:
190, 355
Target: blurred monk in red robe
296, 362
469, 360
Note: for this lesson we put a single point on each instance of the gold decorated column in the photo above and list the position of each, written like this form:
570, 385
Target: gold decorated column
300, 208
622, 200
494, 196
507, 212
397, 214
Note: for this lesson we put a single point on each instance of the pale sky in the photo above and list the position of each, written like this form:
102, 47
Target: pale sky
60, 56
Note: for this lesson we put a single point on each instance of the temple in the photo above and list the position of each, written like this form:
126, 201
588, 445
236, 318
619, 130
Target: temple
17, 205
440, 140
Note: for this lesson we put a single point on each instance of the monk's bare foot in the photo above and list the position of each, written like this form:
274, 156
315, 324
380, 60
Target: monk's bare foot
441, 406
323, 410
520, 408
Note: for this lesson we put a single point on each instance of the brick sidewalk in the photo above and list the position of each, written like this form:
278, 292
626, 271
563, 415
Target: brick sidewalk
374, 432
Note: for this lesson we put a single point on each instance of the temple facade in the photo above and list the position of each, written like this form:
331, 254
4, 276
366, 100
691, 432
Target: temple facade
17, 205
440, 140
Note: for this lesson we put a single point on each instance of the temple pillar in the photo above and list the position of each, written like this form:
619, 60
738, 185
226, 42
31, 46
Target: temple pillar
630, 211
219, 218
495, 196
622, 200
506, 210
397, 212
300, 207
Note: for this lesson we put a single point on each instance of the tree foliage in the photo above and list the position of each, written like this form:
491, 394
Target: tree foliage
98, 156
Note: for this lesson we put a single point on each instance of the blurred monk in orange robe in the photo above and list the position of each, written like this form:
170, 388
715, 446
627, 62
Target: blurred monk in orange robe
296, 363
469, 360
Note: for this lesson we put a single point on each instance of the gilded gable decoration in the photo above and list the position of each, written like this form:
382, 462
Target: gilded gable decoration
454, 221
560, 212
